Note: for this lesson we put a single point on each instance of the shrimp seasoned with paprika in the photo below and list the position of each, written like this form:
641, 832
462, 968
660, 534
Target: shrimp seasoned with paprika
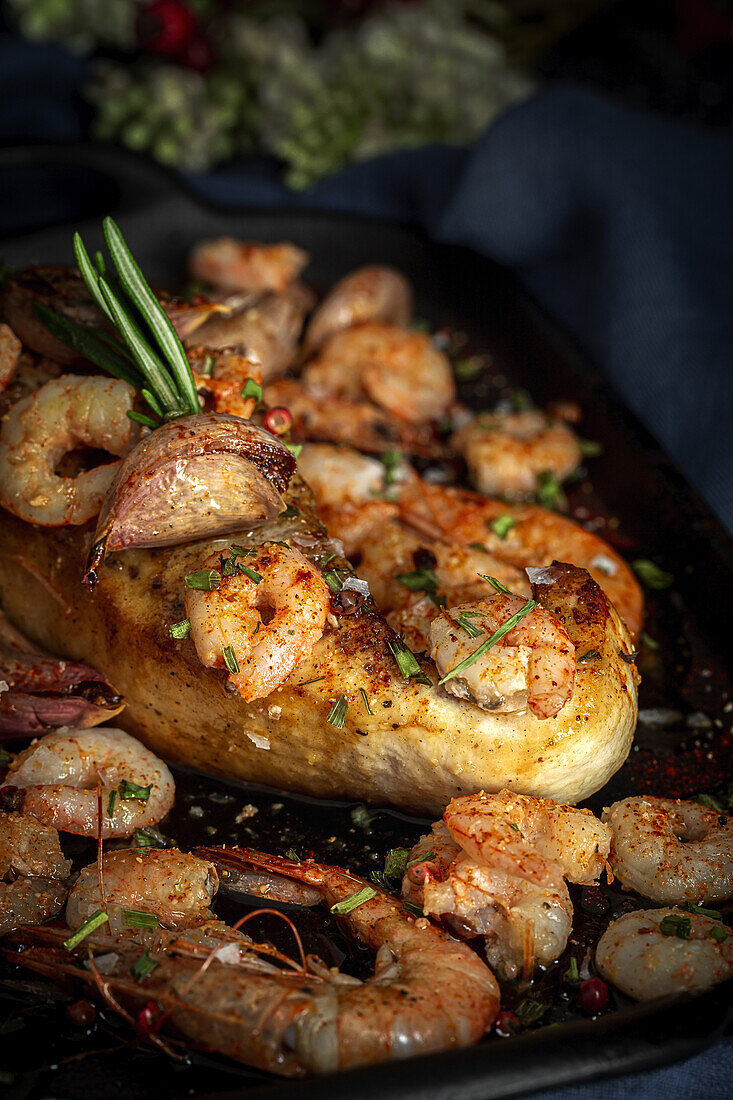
264, 613
33, 872
373, 293
67, 775
245, 265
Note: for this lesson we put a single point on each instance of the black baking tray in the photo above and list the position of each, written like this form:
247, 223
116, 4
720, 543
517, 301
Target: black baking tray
634, 496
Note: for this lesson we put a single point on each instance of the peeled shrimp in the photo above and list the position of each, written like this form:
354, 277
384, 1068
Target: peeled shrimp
644, 962
222, 377
671, 850
373, 293
397, 369
39, 430
242, 265
235, 616
506, 452
496, 866
535, 537
67, 773
32, 863
10, 349
533, 666
176, 888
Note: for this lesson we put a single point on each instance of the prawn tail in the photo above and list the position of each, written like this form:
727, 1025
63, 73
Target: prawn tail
243, 859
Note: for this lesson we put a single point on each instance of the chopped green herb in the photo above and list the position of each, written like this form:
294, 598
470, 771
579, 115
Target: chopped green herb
91, 924
333, 580
424, 858
295, 449
362, 817
315, 680
495, 584
673, 925
719, 934
395, 863
341, 908
531, 1012
651, 574
203, 580
549, 490
516, 829
572, 974
143, 966
520, 400
407, 662
479, 546
589, 655
648, 641
149, 838
590, 448
366, 701
136, 918
469, 368
207, 367
391, 460
180, 630
5, 758
290, 512
502, 525
128, 789
230, 659
337, 716
464, 621
711, 802
293, 855
251, 573
503, 630
252, 389
111, 803
714, 914
412, 909
422, 580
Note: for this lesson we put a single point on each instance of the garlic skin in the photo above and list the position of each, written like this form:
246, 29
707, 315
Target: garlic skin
195, 477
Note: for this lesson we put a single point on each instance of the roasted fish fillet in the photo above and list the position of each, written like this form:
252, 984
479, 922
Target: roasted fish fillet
403, 742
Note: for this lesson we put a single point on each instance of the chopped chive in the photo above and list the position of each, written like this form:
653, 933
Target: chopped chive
333, 580
589, 655
651, 574
207, 367
495, 584
673, 925
136, 918
391, 460
549, 490
469, 368
516, 829
407, 662
230, 659
180, 630
251, 573
366, 701
719, 934
714, 914
503, 630
341, 908
648, 641
128, 789
290, 512
204, 580
465, 622
148, 838
143, 966
252, 389
531, 1012
111, 803
337, 716
590, 448
293, 855
502, 525
479, 546
295, 449
413, 909
91, 924
422, 580
315, 680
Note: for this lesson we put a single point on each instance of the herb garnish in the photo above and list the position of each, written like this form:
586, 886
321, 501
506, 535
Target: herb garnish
464, 620
291, 511
719, 934
5, 758
648, 641
502, 525
711, 802
411, 908
674, 925
143, 966
230, 659
470, 367
590, 448
498, 634
366, 701
295, 449
251, 573
128, 789
180, 630
341, 908
293, 855
203, 580
91, 924
589, 655
407, 662
502, 588
147, 837
252, 389
136, 918
337, 716
549, 490
651, 574
144, 349
572, 974
111, 803
391, 460
422, 580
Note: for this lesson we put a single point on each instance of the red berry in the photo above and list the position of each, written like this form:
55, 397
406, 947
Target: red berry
165, 27
593, 996
507, 1024
419, 872
148, 1018
277, 420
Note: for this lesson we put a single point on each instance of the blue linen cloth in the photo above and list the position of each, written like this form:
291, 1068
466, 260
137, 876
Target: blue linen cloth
619, 223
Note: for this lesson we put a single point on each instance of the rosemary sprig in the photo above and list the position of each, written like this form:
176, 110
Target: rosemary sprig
144, 349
